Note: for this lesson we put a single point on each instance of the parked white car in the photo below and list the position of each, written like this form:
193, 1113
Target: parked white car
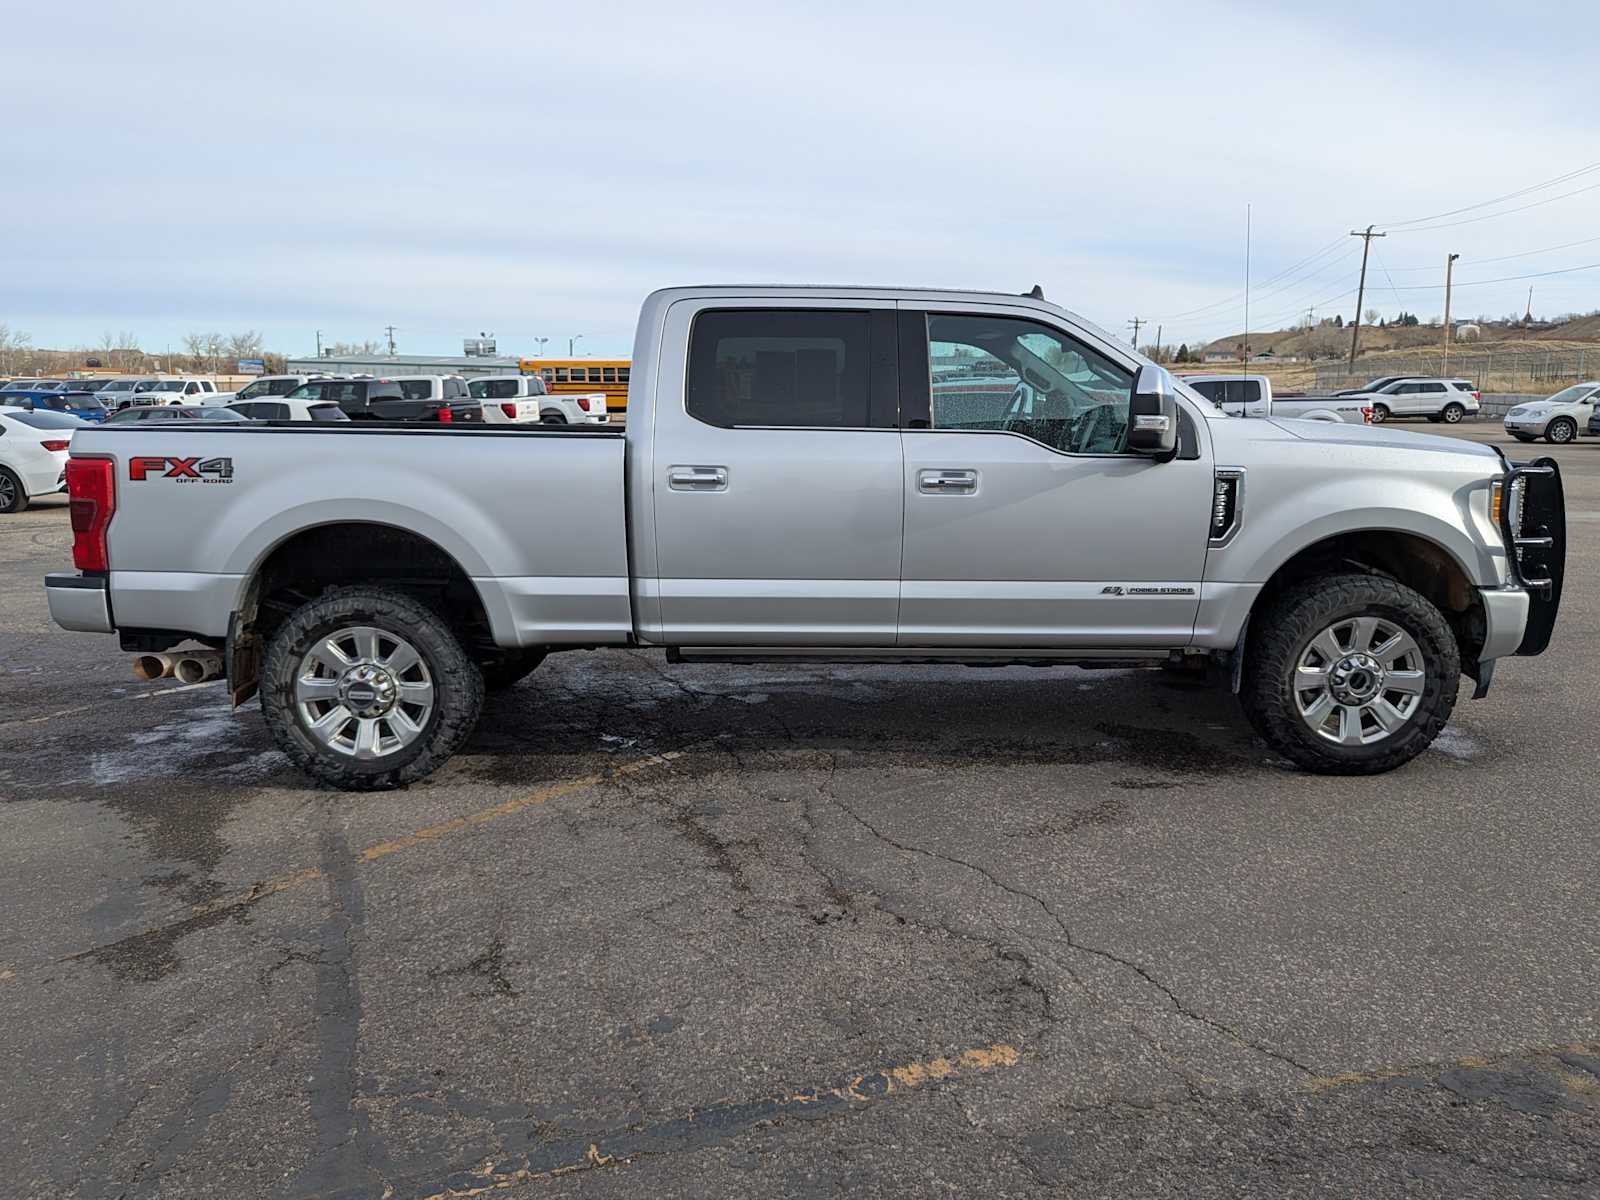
175, 391
1559, 418
284, 408
1446, 400
523, 400
263, 387
33, 455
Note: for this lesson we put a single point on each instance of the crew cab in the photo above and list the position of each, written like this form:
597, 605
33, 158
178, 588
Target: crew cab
1447, 400
386, 400
1251, 396
826, 474
524, 399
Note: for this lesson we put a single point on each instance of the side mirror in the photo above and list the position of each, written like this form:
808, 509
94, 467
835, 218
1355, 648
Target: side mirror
1153, 414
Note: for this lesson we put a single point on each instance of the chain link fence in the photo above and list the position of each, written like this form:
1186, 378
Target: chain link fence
1489, 370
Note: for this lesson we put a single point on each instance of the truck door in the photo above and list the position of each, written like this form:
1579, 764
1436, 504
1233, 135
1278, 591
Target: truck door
1027, 523
775, 477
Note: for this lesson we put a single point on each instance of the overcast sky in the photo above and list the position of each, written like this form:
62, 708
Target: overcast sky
534, 169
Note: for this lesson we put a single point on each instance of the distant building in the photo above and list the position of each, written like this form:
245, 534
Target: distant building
467, 366
1221, 356
1467, 331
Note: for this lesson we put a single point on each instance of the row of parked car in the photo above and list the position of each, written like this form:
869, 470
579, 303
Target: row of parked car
38, 416
500, 399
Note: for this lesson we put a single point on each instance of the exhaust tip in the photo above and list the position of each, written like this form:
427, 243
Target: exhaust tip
197, 668
151, 666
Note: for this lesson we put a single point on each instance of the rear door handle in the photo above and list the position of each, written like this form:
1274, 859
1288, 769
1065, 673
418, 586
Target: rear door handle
697, 479
947, 483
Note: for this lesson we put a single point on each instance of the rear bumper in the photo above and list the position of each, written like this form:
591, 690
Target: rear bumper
81, 603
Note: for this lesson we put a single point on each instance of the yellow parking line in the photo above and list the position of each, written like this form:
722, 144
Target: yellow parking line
718, 1122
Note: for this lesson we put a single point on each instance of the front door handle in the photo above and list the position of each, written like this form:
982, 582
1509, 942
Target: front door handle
697, 479
947, 483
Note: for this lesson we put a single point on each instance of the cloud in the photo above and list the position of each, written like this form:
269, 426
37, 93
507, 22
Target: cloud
535, 169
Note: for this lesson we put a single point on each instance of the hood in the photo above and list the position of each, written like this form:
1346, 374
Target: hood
1537, 406
1378, 437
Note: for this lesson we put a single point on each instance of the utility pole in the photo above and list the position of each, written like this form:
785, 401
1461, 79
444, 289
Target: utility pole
1159, 328
572, 343
1449, 267
1136, 323
319, 343
1361, 291
389, 330
1527, 313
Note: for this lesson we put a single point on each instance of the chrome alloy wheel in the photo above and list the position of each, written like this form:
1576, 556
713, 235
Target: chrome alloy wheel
364, 692
8, 492
1359, 681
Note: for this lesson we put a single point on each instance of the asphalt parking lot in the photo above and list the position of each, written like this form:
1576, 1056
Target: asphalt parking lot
797, 931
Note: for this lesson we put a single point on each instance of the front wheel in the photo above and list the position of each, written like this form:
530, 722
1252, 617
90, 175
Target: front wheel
1380, 413
1350, 674
1452, 414
1561, 430
366, 688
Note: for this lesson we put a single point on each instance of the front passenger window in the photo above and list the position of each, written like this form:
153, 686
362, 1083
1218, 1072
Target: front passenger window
1015, 376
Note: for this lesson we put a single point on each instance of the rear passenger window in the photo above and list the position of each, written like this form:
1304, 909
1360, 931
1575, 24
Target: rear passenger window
327, 412
561, 374
609, 374
416, 389
796, 368
274, 412
622, 374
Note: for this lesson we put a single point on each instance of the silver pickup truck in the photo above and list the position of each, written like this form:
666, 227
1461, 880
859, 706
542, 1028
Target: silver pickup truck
833, 474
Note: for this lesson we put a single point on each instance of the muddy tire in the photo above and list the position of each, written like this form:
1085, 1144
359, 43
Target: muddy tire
510, 669
1350, 674
365, 689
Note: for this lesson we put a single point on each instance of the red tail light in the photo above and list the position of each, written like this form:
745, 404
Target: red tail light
55, 445
445, 415
583, 403
1366, 415
510, 411
92, 488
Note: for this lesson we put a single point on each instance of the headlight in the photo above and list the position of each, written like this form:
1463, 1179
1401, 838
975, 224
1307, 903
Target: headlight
1502, 505
1517, 412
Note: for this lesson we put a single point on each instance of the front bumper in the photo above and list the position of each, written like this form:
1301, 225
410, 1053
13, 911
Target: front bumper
81, 603
1505, 612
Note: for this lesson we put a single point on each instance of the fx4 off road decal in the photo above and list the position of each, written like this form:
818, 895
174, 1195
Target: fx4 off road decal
184, 470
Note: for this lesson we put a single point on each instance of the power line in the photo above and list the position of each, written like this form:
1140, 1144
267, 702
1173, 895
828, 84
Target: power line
1504, 213
1434, 287
1505, 257
1237, 296
1498, 199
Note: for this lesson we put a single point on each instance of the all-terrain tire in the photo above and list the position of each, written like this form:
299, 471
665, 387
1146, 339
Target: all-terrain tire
457, 687
510, 669
1280, 636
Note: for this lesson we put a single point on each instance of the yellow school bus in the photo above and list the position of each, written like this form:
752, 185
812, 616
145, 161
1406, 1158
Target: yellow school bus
566, 376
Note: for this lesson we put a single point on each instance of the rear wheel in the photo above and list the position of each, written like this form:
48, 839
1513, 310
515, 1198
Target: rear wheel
552, 418
1350, 674
1452, 413
1561, 430
13, 496
1380, 413
366, 688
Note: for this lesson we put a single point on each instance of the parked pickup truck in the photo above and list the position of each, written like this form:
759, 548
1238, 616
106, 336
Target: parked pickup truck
524, 400
805, 476
1251, 396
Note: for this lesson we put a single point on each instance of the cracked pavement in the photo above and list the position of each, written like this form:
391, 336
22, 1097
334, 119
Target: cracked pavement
808, 930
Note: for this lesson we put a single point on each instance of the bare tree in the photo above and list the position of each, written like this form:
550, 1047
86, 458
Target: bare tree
1371, 316
16, 348
245, 345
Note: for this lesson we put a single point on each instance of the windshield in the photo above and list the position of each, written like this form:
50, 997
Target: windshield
1572, 395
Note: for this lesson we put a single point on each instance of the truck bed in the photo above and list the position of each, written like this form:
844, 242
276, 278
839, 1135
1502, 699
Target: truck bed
533, 516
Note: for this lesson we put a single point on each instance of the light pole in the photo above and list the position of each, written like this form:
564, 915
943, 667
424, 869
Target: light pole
1449, 267
540, 343
571, 343
319, 343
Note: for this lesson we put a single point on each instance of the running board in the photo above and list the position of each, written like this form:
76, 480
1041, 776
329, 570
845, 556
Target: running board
980, 656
